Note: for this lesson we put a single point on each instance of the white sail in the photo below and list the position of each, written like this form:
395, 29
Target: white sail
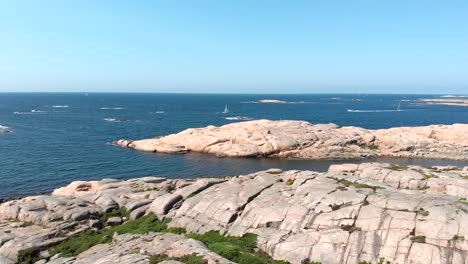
226, 110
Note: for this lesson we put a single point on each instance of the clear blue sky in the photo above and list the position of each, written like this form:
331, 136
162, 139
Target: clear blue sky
236, 46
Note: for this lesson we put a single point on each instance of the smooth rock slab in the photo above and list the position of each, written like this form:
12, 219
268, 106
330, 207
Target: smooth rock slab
300, 139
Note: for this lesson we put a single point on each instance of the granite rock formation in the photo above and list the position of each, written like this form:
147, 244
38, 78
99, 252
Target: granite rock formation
351, 213
299, 139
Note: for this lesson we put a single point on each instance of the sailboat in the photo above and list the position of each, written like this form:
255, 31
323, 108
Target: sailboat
399, 107
226, 110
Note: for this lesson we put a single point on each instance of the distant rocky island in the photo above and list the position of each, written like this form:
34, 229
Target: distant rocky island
449, 101
366, 213
299, 139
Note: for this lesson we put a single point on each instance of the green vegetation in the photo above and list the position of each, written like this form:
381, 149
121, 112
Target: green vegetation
459, 238
238, 249
121, 212
398, 167
427, 176
176, 230
290, 182
372, 147
78, 243
28, 256
463, 201
423, 212
357, 185
188, 259
418, 239
171, 187
381, 261
355, 228
451, 168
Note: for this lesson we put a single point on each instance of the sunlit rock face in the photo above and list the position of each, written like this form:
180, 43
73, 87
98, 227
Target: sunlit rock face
299, 139
352, 213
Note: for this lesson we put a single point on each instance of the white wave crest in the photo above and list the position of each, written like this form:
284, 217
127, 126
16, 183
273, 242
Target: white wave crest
111, 108
60, 106
372, 111
115, 119
244, 118
4, 129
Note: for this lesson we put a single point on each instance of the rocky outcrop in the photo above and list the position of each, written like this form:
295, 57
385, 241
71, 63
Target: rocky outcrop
299, 139
352, 213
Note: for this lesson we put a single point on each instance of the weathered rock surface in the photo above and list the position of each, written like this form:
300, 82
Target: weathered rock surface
352, 213
299, 139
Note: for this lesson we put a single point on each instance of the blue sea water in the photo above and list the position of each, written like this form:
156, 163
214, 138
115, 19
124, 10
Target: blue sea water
58, 138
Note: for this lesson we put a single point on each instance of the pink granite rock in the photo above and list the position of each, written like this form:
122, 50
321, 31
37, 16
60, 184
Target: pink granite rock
299, 139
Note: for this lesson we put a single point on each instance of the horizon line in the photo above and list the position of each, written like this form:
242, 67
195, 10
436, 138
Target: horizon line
232, 93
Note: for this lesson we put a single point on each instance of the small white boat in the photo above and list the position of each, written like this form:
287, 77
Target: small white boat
399, 107
226, 109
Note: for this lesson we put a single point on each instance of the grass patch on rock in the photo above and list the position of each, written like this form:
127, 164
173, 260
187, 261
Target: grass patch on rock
237, 249
423, 212
372, 147
188, 259
418, 239
121, 212
463, 201
242, 250
79, 243
28, 256
358, 185
396, 167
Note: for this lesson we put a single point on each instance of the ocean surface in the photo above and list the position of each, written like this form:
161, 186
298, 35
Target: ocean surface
54, 139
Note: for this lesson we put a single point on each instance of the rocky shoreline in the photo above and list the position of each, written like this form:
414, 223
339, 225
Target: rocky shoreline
300, 139
373, 212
